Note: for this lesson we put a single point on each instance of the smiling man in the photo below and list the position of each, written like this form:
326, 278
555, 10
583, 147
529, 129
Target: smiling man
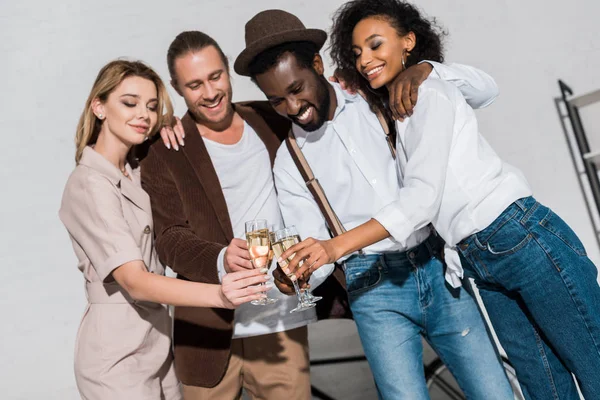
201, 198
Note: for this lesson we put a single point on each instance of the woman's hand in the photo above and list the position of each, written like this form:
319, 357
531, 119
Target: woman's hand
238, 287
311, 254
341, 76
308, 256
173, 136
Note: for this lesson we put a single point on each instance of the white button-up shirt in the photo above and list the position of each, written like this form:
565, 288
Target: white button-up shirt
350, 157
451, 176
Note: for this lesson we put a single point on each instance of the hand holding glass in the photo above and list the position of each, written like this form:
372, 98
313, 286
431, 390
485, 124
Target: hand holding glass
293, 233
281, 240
259, 247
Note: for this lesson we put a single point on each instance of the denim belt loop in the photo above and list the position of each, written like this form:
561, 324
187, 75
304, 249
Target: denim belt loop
429, 245
419, 255
384, 265
519, 203
530, 212
412, 257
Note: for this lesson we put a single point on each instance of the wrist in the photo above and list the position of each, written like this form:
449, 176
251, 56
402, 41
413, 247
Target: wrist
426, 67
338, 247
218, 299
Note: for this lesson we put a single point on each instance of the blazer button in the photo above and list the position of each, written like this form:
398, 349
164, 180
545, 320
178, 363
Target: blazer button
147, 229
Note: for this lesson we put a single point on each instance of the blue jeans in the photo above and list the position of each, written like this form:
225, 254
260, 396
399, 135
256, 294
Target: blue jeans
396, 298
540, 291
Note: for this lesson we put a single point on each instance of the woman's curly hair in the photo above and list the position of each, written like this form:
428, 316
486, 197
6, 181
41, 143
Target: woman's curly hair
404, 17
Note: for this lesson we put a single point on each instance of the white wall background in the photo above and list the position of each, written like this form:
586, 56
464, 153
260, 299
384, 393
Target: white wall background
51, 52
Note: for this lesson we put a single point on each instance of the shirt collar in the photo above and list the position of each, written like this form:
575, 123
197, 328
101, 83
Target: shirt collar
342, 98
92, 159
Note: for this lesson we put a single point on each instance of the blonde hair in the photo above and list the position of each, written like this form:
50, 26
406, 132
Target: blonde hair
109, 77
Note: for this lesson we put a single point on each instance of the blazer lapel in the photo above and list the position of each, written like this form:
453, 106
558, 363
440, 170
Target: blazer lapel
262, 129
197, 155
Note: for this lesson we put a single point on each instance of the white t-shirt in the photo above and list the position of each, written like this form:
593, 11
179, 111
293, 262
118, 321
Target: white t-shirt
245, 175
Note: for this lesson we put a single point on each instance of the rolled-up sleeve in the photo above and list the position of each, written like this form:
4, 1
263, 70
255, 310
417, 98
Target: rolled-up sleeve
92, 213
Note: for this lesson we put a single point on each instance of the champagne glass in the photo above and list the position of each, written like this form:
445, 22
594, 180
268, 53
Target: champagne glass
259, 247
279, 240
295, 238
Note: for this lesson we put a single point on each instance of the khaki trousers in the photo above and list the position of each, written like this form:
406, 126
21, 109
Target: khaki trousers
269, 367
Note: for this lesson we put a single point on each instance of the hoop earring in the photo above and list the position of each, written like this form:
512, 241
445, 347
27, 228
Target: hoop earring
403, 62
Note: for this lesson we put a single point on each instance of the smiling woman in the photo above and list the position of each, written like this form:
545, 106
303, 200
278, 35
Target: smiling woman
128, 78
516, 249
406, 30
108, 217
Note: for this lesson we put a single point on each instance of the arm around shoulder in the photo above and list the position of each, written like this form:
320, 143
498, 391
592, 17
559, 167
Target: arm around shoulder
477, 87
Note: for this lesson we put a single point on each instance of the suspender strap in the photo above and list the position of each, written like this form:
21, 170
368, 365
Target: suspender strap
388, 135
314, 186
339, 307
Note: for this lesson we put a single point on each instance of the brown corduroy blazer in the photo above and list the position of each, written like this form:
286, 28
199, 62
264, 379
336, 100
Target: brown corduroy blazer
191, 224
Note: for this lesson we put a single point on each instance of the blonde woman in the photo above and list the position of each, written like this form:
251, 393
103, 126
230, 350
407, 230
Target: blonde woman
123, 343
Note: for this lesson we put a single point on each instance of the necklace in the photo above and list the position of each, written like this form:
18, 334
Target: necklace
125, 173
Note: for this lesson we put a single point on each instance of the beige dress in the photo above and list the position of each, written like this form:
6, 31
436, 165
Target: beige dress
123, 348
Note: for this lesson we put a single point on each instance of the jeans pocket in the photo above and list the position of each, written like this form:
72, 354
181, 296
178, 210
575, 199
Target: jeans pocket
506, 239
559, 228
362, 277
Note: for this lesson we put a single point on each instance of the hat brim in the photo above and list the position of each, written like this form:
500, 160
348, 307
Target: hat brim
317, 36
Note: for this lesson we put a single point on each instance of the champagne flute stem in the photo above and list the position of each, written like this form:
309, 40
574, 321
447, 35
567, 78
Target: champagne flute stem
298, 294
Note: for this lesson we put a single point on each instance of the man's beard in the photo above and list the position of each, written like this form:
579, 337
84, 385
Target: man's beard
202, 118
322, 108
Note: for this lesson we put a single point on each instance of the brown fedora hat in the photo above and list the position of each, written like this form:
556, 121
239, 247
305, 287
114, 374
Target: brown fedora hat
270, 28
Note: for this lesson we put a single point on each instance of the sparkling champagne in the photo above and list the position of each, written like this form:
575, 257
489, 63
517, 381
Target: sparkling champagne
281, 246
289, 242
258, 246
